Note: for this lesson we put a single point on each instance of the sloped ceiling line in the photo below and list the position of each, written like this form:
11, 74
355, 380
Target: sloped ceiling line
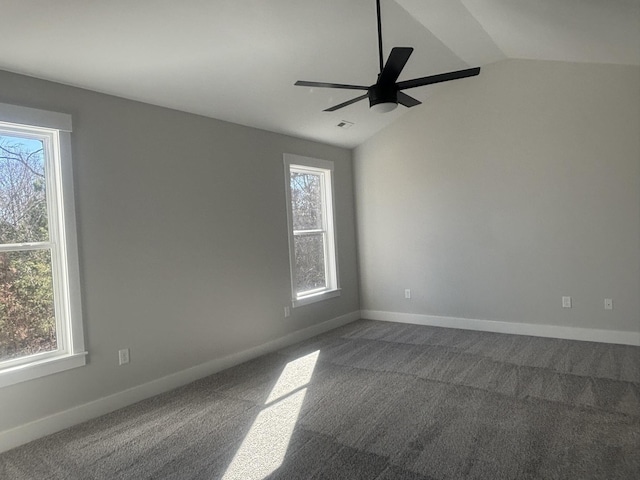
454, 25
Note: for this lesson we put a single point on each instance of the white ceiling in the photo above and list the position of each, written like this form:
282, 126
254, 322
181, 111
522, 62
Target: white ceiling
237, 60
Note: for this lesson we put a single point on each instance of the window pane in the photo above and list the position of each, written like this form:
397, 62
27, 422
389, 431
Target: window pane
27, 318
310, 272
306, 201
23, 207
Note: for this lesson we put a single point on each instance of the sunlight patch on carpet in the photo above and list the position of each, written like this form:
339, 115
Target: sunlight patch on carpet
265, 446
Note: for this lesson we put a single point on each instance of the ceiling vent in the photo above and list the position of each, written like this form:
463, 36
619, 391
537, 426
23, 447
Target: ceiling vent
345, 124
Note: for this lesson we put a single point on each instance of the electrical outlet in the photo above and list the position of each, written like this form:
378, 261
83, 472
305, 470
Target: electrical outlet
287, 312
608, 304
123, 356
566, 302
407, 293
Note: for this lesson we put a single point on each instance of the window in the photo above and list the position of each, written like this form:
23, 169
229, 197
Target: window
312, 244
40, 309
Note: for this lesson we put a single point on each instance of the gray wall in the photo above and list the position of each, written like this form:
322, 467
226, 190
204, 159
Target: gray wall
503, 193
183, 242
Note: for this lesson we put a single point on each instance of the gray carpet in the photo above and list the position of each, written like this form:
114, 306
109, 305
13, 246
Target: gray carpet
374, 400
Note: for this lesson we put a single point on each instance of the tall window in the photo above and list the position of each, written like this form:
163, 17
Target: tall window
312, 244
40, 324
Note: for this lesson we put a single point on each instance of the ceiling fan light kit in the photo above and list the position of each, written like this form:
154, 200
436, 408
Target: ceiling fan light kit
386, 93
383, 107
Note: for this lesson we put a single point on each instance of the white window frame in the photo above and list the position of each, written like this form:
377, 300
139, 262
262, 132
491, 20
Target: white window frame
326, 170
55, 130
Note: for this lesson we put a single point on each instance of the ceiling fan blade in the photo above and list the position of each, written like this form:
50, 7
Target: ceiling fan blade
349, 102
395, 63
442, 77
407, 101
303, 83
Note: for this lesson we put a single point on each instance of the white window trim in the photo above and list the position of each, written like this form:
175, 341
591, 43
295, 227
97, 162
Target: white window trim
331, 252
68, 303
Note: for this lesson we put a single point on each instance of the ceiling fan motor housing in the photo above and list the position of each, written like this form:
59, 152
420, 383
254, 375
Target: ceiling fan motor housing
382, 93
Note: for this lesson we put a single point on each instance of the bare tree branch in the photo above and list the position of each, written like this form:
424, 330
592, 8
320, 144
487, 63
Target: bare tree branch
16, 157
20, 160
34, 152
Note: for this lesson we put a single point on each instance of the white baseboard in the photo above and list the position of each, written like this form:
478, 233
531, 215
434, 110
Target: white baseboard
59, 421
551, 331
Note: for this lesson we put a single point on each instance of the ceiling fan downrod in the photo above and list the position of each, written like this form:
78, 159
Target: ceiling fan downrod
379, 36
383, 97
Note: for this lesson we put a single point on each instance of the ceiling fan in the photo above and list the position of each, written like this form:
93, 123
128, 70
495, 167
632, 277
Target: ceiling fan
386, 93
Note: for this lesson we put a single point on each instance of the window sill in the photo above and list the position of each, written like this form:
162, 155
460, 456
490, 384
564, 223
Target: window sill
316, 297
41, 368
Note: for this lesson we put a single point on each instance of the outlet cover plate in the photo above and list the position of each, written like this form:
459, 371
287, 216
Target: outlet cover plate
123, 356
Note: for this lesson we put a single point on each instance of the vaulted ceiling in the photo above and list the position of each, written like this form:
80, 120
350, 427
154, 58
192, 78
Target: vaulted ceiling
237, 60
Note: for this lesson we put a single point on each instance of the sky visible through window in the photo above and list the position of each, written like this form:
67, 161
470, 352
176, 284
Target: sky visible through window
28, 143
